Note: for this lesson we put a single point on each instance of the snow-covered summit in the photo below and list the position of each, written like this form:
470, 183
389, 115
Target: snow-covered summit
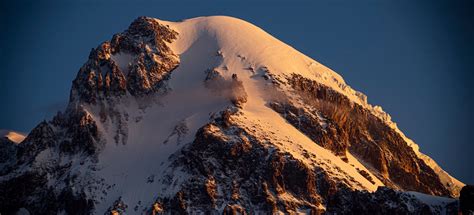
235, 37
213, 114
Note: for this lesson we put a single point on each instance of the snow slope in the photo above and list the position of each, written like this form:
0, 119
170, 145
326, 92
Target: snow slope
151, 137
257, 49
435, 202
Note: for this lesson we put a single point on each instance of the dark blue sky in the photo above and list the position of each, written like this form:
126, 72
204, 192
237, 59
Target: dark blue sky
413, 59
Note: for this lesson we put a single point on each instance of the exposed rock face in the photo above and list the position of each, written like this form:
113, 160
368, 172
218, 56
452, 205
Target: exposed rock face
232, 89
323, 131
135, 61
344, 126
234, 169
238, 96
8, 151
49, 161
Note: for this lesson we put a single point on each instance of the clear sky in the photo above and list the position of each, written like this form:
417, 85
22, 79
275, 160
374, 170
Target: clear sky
413, 59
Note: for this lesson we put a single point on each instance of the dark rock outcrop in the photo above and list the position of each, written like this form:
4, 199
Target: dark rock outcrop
147, 58
346, 125
466, 199
224, 151
232, 89
325, 132
42, 162
8, 150
238, 95
234, 170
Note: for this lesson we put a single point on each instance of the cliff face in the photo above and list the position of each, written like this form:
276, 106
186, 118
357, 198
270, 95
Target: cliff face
348, 127
179, 118
233, 168
136, 61
236, 169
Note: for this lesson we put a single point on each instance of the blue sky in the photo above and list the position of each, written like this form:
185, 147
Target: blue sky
413, 59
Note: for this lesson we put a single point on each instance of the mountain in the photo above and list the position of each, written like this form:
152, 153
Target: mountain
214, 115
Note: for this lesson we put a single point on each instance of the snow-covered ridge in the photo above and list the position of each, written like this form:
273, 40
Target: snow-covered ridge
249, 42
237, 36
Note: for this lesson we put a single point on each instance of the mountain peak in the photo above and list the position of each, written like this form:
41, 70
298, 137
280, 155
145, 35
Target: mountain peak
214, 115
135, 62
